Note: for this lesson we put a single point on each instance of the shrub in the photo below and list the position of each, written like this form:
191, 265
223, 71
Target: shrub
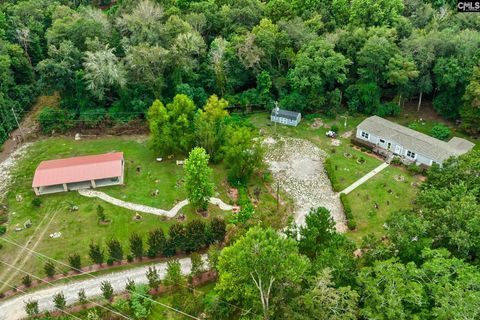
3, 229
396, 160
351, 223
101, 213
49, 269
156, 243
440, 131
59, 301
31, 308
107, 290
82, 296
36, 202
362, 144
75, 261
329, 169
27, 281
52, 119
110, 261
334, 128
129, 258
136, 246
388, 109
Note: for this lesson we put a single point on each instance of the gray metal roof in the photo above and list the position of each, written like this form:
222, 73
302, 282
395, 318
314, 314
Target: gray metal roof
415, 141
292, 115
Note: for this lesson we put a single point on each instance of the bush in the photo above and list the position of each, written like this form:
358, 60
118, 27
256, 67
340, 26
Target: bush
36, 202
49, 269
3, 229
334, 128
365, 145
110, 261
52, 119
129, 258
75, 262
396, 160
329, 169
388, 109
440, 131
27, 281
351, 223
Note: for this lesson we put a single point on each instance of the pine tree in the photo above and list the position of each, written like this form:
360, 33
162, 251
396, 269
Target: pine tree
96, 254
75, 262
49, 269
107, 290
59, 301
153, 278
156, 243
136, 246
115, 250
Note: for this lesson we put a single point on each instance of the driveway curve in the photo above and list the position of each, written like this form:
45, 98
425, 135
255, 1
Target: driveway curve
13, 309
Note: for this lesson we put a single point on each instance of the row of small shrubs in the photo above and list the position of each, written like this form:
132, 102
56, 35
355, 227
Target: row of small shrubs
351, 223
362, 144
330, 170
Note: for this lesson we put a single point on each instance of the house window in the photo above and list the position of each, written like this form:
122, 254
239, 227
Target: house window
411, 154
382, 141
365, 135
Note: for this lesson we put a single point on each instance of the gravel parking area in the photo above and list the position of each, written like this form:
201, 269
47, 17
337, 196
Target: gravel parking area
297, 165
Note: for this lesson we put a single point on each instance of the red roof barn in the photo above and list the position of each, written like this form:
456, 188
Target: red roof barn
78, 173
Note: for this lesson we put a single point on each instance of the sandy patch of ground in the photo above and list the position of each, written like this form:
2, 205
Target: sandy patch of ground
298, 167
6, 168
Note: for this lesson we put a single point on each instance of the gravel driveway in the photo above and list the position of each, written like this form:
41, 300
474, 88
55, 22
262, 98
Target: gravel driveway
297, 165
13, 309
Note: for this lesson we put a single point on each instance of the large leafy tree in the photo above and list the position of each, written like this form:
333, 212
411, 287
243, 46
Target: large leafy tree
318, 70
260, 268
198, 179
470, 110
375, 12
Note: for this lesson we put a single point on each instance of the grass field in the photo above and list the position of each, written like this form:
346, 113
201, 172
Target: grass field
81, 227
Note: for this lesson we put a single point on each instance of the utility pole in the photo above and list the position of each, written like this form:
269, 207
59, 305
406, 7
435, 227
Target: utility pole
18, 124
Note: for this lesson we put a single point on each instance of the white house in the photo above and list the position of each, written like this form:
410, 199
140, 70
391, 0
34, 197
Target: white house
413, 146
287, 117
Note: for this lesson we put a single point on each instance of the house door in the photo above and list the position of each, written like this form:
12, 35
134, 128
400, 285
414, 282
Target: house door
398, 149
389, 145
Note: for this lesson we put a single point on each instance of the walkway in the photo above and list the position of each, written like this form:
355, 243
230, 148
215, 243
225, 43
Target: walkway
13, 309
146, 209
366, 177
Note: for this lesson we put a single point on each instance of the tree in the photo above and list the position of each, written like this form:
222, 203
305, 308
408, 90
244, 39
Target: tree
470, 110
136, 246
198, 179
115, 250
401, 70
59, 301
156, 243
171, 127
27, 281
177, 237
49, 269
103, 72
82, 296
130, 285
318, 70
96, 253
217, 229
197, 264
75, 262
197, 237
107, 290
373, 59
375, 13
243, 154
213, 255
31, 308
258, 268
174, 276
153, 278
323, 301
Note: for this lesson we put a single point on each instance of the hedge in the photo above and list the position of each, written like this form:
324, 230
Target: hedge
351, 223
330, 170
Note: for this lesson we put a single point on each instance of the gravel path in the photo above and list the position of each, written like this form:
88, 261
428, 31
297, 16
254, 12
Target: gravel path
297, 165
13, 309
146, 209
6, 168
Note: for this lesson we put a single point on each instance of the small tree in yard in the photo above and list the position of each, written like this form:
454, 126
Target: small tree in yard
197, 264
75, 262
174, 275
27, 281
96, 254
440, 131
213, 254
49, 269
82, 296
136, 246
31, 308
198, 179
115, 250
153, 278
156, 243
107, 290
218, 229
130, 285
59, 301
101, 214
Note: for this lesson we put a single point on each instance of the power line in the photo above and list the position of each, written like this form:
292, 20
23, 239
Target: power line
95, 277
51, 284
24, 292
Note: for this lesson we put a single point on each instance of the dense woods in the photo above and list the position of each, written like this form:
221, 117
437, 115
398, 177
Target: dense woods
112, 60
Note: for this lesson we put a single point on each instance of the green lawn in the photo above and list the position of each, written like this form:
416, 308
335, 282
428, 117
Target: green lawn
81, 227
390, 195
